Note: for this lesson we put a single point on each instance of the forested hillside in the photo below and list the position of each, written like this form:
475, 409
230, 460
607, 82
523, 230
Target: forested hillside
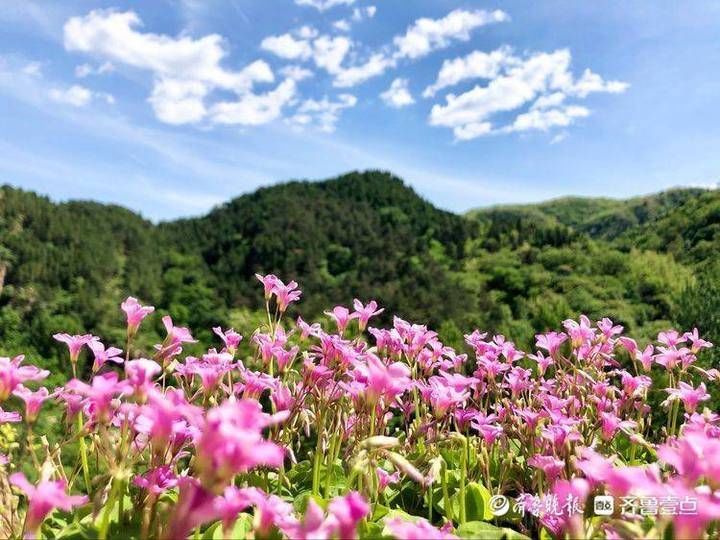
515, 269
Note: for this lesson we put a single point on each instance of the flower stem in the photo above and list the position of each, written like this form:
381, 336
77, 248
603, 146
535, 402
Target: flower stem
318, 457
83, 455
463, 478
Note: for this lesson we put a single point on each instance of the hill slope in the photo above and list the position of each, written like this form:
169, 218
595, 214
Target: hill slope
598, 216
363, 234
518, 270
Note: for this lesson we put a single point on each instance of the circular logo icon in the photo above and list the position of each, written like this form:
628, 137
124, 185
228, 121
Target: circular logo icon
499, 505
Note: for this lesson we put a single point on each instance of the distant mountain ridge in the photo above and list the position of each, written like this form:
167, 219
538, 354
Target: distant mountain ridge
600, 217
515, 269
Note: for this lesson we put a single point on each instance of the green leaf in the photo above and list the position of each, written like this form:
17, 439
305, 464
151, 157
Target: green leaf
240, 530
300, 502
212, 530
371, 531
477, 502
379, 512
487, 531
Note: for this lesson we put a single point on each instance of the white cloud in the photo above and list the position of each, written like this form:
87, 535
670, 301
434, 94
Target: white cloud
306, 32
398, 95
547, 118
359, 14
374, 66
179, 102
550, 100
472, 130
323, 114
286, 46
325, 51
592, 82
329, 53
296, 73
543, 77
560, 137
421, 38
426, 35
185, 70
476, 65
83, 70
77, 96
32, 69
342, 25
253, 109
322, 5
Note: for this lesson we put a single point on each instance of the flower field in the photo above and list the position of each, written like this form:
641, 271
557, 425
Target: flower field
347, 430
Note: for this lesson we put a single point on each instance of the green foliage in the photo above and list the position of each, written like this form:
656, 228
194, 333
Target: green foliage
515, 270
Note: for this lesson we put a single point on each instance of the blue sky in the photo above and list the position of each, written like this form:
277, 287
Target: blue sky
172, 106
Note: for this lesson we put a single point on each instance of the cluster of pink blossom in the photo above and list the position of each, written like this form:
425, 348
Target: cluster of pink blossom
347, 430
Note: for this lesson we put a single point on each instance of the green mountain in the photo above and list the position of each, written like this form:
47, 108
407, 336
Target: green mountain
513, 269
599, 217
362, 234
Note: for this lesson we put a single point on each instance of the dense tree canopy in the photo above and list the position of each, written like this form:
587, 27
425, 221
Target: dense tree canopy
515, 269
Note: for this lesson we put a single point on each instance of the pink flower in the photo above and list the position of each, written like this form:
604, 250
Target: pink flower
12, 374
645, 357
231, 441
610, 424
443, 396
99, 394
164, 415
551, 466
385, 382
233, 501
285, 358
346, 512
286, 294
385, 478
33, 401
670, 357
697, 342
694, 455
690, 396
543, 362
102, 355
269, 282
230, 338
629, 344
671, 338
195, 505
176, 336
608, 328
341, 316
634, 386
254, 384
43, 499
74, 343
571, 496
135, 314
157, 481
419, 529
363, 313
140, 373
313, 526
580, 333
308, 329
282, 398
7, 417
